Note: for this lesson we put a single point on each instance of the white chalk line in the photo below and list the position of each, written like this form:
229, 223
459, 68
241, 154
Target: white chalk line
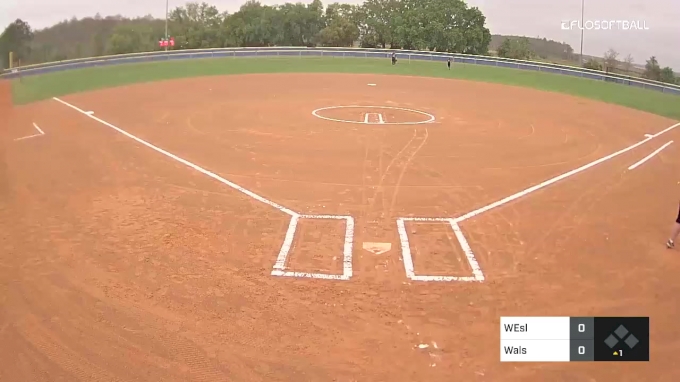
559, 177
648, 157
40, 133
407, 258
406, 250
282, 259
184, 161
430, 118
279, 265
367, 119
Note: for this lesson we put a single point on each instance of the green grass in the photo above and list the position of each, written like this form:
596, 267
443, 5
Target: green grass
34, 88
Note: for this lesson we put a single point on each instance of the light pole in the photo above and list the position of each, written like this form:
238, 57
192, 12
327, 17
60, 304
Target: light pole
582, 27
166, 26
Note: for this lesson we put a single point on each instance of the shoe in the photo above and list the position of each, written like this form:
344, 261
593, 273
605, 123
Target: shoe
670, 244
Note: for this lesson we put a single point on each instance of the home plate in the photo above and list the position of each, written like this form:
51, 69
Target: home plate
377, 248
649, 136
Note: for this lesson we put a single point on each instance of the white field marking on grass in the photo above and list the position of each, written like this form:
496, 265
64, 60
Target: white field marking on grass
645, 159
280, 265
430, 117
185, 162
407, 258
559, 177
40, 133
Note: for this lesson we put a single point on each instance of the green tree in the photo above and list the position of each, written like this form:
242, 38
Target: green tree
592, 64
516, 48
667, 75
628, 63
15, 38
438, 25
652, 69
99, 44
611, 61
375, 28
341, 26
127, 38
196, 26
253, 25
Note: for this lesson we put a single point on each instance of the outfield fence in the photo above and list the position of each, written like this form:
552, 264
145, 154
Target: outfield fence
341, 52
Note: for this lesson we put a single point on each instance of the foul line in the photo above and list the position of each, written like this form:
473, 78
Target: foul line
40, 133
280, 265
645, 159
183, 161
560, 177
478, 275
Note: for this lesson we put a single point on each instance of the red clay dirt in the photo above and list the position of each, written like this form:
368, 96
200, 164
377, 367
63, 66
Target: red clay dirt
121, 264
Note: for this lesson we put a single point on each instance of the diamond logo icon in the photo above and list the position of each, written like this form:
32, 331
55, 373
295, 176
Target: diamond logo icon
611, 341
631, 341
621, 331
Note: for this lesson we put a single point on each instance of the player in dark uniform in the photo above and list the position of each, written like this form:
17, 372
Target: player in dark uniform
674, 232
448, 63
394, 58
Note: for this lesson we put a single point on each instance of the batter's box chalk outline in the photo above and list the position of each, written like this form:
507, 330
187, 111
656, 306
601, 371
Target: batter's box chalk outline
407, 258
280, 265
406, 249
429, 117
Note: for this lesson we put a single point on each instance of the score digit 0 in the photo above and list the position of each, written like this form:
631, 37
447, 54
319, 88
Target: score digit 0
581, 328
581, 350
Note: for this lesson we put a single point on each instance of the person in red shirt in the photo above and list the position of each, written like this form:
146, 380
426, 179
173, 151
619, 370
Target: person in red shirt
674, 232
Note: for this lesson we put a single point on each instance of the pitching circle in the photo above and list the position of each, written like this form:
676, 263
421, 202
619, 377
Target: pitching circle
430, 117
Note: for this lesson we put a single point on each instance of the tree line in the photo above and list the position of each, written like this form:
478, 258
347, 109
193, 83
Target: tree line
522, 48
436, 25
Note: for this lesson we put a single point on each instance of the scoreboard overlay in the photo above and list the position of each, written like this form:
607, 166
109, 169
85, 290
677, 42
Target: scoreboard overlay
572, 339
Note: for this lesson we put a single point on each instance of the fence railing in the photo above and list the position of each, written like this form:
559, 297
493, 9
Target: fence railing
342, 52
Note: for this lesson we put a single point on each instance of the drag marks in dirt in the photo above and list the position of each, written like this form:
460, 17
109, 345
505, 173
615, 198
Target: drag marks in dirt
401, 161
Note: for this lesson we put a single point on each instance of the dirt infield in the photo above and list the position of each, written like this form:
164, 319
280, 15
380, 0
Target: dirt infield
126, 264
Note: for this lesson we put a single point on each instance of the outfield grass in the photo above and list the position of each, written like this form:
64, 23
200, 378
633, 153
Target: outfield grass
34, 88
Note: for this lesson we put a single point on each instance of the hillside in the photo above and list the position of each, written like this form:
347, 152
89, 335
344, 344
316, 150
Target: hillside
544, 48
87, 37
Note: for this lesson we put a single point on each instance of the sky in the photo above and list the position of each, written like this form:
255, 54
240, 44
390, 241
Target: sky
659, 37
